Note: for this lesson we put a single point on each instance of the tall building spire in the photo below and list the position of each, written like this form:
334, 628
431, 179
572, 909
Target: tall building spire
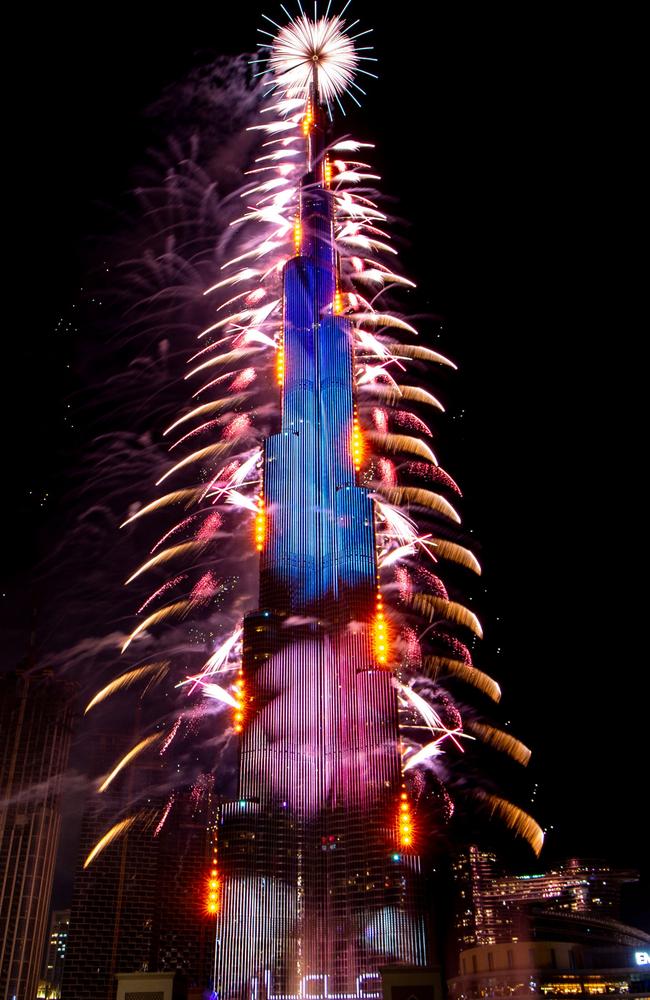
338, 706
312, 889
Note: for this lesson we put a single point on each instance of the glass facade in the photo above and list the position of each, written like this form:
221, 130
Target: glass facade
316, 891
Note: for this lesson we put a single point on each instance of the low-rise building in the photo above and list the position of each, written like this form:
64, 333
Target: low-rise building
555, 969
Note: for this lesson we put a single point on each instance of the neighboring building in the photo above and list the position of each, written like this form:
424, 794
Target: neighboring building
555, 969
52, 975
552, 935
183, 933
404, 982
473, 870
493, 907
148, 986
36, 711
141, 904
111, 917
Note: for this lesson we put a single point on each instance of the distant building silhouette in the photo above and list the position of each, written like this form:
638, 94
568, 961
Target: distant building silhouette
493, 907
551, 935
35, 722
57, 942
140, 904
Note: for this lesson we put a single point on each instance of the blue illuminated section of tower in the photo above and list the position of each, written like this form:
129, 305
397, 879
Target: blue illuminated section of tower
321, 534
314, 897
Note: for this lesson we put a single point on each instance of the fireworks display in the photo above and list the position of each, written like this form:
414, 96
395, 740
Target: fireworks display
210, 517
221, 473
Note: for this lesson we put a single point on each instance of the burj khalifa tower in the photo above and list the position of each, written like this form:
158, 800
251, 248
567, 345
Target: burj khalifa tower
318, 862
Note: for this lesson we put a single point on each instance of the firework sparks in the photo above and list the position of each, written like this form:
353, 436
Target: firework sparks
172, 734
205, 588
433, 473
322, 47
114, 832
396, 443
171, 553
502, 741
158, 670
215, 691
158, 616
165, 814
434, 607
168, 585
469, 674
404, 582
127, 758
243, 345
516, 819
209, 528
400, 495
243, 379
187, 495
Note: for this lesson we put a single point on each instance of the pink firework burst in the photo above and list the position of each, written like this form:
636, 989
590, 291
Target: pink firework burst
387, 473
458, 648
380, 419
209, 527
202, 787
451, 716
223, 477
404, 418
172, 734
413, 652
434, 474
433, 582
174, 531
205, 588
162, 590
418, 784
165, 814
448, 807
237, 427
243, 379
404, 582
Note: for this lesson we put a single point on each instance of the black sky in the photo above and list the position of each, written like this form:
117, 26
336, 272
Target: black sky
498, 140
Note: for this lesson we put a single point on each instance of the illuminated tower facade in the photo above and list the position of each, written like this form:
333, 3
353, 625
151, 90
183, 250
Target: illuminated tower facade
316, 858
36, 713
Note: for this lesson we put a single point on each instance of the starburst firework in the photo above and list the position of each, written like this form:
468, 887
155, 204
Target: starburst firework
305, 49
216, 461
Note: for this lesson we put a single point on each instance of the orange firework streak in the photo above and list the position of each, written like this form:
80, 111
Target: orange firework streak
357, 443
260, 524
380, 632
327, 172
404, 820
213, 885
279, 363
240, 697
297, 234
308, 120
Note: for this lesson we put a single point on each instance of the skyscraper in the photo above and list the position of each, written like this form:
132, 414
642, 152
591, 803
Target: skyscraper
317, 861
113, 901
140, 906
57, 943
551, 934
339, 706
493, 907
36, 725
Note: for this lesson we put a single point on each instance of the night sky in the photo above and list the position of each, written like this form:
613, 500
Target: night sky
500, 157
